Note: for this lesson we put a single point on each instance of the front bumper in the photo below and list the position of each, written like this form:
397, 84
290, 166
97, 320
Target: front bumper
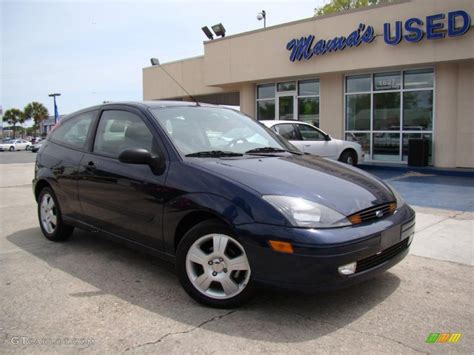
376, 247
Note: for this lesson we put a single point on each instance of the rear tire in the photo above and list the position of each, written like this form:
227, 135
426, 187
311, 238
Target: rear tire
12, 148
49, 216
212, 266
348, 157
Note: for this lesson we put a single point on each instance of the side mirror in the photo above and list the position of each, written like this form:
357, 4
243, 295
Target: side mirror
143, 157
327, 137
135, 156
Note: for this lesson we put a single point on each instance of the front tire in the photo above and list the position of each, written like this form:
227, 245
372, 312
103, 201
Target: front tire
348, 157
212, 266
12, 149
50, 219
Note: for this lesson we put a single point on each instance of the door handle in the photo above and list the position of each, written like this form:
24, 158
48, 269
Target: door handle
307, 145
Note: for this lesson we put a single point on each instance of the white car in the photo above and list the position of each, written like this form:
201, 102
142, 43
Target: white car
312, 140
15, 144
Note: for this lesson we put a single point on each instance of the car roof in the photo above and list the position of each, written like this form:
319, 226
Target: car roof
144, 104
274, 122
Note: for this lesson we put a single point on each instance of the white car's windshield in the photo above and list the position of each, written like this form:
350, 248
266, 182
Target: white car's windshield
197, 130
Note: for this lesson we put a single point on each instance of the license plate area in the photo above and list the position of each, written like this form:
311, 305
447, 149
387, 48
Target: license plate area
390, 237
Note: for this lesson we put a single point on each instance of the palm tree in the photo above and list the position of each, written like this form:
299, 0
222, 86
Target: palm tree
36, 111
13, 117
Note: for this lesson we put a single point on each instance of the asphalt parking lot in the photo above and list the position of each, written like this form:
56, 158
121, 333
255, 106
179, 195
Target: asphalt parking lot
94, 295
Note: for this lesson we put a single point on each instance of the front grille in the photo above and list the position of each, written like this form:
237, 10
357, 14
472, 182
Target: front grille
373, 213
377, 259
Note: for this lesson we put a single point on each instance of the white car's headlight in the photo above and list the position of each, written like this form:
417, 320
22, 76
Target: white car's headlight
304, 213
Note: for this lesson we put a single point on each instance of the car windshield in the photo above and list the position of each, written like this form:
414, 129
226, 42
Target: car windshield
215, 131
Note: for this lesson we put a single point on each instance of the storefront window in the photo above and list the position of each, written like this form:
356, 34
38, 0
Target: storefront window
308, 87
266, 110
358, 112
384, 110
358, 83
292, 100
418, 79
387, 111
308, 110
266, 91
386, 146
387, 81
289, 86
418, 110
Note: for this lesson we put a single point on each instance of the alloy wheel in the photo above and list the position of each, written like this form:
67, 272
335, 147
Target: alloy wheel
48, 214
217, 266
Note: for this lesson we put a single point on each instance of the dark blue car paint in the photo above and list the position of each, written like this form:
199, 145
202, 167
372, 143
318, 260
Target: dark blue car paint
133, 204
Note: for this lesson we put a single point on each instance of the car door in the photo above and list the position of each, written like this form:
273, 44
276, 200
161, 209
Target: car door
123, 199
314, 141
289, 132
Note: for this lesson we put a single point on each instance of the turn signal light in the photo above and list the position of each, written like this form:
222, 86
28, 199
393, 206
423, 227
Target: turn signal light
282, 247
392, 207
355, 219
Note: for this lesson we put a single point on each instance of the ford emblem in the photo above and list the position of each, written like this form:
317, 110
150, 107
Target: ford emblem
379, 213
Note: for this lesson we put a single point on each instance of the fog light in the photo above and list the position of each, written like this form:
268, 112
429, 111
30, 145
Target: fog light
348, 269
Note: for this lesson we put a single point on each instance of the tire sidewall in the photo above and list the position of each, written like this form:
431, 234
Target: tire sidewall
201, 229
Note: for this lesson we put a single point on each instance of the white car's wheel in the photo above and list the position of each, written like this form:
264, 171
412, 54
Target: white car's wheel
11, 149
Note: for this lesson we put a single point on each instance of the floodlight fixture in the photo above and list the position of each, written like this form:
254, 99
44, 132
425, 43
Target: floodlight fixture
207, 32
219, 30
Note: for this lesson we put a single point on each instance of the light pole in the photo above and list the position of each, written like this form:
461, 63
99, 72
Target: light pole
262, 15
56, 114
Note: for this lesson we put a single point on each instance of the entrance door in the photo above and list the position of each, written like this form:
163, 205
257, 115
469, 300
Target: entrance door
286, 107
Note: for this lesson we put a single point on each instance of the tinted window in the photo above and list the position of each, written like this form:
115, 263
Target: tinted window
358, 83
74, 131
416, 79
287, 131
266, 91
121, 130
309, 133
266, 110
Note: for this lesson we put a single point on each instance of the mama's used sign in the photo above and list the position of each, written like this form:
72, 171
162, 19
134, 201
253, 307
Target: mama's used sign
412, 30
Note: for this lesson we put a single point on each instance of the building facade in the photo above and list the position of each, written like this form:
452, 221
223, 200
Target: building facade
379, 75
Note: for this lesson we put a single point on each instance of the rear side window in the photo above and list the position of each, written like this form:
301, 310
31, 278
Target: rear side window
120, 130
309, 133
74, 131
287, 131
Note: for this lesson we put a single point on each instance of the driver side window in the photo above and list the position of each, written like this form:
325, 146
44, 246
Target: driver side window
121, 130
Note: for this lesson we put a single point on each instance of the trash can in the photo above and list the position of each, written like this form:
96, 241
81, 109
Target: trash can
418, 152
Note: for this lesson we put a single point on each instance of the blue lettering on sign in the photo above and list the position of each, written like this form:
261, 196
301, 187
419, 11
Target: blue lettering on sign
302, 48
435, 28
410, 31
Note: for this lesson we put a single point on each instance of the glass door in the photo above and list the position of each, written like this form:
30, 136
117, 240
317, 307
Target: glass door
286, 107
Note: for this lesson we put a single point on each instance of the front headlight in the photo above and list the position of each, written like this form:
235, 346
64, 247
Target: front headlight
400, 201
304, 213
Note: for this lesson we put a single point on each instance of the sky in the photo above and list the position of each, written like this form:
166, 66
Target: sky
94, 51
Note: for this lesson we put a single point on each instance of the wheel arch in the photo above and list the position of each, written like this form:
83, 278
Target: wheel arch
40, 185
351, 150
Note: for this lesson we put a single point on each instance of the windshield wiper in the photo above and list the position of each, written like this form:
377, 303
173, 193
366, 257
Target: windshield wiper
214, 154
265, 150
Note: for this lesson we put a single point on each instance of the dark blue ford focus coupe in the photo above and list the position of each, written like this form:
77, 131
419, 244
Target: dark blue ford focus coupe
227, 200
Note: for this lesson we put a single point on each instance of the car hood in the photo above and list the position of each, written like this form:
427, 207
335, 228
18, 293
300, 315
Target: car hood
333, 184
